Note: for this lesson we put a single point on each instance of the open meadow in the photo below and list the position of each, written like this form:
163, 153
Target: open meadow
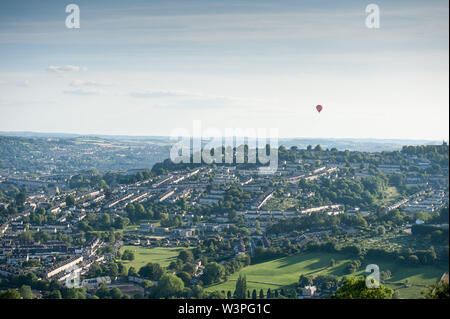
142, 256
409, 281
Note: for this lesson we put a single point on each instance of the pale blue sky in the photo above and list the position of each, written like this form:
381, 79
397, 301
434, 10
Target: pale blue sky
148, 67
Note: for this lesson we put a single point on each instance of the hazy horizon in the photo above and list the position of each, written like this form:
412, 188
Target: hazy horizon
67, 134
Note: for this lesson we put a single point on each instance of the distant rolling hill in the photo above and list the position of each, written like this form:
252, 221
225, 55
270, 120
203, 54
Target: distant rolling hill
351, 144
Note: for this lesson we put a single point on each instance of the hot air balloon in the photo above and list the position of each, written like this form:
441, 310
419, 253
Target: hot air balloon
319, 108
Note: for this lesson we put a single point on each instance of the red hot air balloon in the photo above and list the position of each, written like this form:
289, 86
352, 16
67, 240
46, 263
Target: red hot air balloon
319, 108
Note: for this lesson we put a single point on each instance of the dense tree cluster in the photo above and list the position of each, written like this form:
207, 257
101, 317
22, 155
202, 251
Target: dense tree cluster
356, 288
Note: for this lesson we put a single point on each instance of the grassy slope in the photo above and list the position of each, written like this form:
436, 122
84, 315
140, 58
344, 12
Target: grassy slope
286, 271
418, 277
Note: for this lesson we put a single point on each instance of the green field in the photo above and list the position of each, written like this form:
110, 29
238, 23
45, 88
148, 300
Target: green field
391, 195
143, 255
418, 277
280, 203
285, 271
409, 281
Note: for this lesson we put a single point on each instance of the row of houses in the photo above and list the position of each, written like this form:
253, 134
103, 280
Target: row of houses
271, 215
63, 266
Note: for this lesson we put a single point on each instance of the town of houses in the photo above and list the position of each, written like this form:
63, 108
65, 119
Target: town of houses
199, 186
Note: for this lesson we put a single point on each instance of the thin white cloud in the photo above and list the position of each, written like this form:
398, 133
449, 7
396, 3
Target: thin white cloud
150, 94
66, 68
84, 92
83, 83
21, 83
173, 99
162, 94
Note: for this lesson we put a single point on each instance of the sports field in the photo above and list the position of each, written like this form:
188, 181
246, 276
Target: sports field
143, 256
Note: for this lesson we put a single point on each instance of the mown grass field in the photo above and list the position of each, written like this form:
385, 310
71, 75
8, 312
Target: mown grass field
417, 277
143, 256
285, 271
